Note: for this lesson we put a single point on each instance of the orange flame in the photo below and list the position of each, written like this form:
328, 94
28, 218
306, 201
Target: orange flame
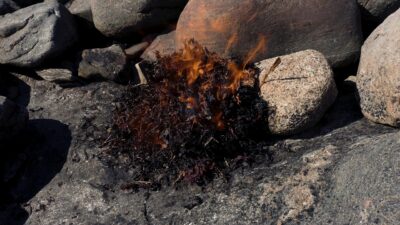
232, 40
202, 82
192, 65
218, 120
261, 46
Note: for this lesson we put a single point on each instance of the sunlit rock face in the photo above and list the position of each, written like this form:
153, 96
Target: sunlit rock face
124, 17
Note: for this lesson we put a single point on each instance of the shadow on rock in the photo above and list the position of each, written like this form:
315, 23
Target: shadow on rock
344, 112
15, 89
28, 163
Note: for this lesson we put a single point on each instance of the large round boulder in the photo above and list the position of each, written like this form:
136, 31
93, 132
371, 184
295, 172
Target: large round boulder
298, 89
234, 27
123, 17
36, 33
378, 78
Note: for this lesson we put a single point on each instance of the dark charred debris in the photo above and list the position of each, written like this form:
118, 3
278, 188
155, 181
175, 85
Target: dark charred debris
200, 116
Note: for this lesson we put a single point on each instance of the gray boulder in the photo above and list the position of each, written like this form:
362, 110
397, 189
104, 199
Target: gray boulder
235, 27
378, 10
378, 78
13, 118
119, 18
103, 63
82, 9
298, 89
34, 34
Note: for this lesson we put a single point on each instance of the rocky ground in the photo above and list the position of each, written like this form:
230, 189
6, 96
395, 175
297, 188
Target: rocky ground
345, 166
333, 155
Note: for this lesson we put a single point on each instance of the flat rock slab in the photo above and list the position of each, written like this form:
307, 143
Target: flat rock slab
378, 78
56, 75
298, 89
234, 27
362, 190
80, 189
36, 33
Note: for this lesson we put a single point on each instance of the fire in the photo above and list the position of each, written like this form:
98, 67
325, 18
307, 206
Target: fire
192, 65
201, 82
262, 41
195, 65
225, 29
231, 41
218, 120
196, 109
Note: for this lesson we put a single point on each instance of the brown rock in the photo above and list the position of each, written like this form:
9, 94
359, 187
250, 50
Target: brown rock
298, 90
136, 50
378, 78
234, 27
164, 44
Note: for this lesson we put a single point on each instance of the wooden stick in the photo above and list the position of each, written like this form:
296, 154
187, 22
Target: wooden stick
142, 77
272, 69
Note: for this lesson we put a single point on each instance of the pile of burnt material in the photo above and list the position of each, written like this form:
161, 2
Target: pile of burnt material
199, 116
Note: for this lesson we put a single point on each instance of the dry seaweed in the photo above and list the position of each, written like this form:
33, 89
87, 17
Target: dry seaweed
199, 116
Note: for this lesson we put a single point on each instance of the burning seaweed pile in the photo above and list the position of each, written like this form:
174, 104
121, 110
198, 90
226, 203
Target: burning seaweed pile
200, 115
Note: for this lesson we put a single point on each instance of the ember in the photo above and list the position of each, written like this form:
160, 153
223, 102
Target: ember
200, 115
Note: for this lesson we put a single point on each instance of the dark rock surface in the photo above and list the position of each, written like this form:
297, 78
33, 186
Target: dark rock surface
76, 125
13, 118
345, 165
25, 3
36, 33
363, 190
234, 27
123, 17
7, 6
378, 10
103, 63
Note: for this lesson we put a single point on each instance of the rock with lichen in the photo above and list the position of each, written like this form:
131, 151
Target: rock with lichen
298, 89
378, 78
